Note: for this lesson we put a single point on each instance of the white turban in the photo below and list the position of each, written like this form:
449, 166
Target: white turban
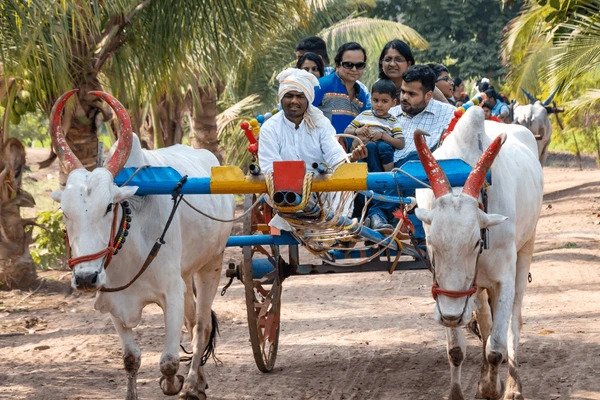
302, 81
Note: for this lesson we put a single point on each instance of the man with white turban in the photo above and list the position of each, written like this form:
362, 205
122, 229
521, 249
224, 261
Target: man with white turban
300, 131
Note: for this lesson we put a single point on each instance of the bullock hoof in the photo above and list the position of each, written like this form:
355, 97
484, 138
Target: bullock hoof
513, 396
488, 393
173, 387
456, 393
193, 396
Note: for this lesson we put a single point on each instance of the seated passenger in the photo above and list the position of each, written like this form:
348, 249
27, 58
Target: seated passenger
378, 129
341, 96
300, 131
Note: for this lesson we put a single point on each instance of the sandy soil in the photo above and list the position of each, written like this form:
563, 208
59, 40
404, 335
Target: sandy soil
345, 336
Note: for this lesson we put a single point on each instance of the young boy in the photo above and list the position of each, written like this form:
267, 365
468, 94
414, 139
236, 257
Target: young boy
378, 129
487, 110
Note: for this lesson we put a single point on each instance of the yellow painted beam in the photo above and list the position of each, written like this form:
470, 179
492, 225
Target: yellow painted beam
231, 180
346, 177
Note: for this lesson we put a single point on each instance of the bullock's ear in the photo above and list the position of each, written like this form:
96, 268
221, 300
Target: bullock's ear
424, 215
123, 193
488, 220
56, 195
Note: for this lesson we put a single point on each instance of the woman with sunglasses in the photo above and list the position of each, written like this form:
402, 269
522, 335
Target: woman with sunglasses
341, 96
312, 63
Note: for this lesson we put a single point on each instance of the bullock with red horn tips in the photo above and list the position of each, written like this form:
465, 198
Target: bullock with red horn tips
455, 223
61, 147
112, 233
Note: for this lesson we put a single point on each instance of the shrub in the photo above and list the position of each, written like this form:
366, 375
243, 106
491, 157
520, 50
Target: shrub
48, 249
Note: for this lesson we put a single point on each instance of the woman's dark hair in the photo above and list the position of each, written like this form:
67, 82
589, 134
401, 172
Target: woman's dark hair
314, 58
385, 86
491, 94
402, 48
457, 82
347, 47
420, 73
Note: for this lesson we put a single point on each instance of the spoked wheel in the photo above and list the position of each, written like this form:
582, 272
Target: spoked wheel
263, 296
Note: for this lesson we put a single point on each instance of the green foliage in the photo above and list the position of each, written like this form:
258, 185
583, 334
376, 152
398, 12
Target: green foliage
32, 129
48, 248
468, 32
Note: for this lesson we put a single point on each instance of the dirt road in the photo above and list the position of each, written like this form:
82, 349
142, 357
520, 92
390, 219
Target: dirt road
353, 336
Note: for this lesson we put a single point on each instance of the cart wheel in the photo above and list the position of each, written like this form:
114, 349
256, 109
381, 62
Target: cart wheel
263, 300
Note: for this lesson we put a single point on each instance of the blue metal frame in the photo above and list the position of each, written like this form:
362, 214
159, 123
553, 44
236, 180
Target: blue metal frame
162, 180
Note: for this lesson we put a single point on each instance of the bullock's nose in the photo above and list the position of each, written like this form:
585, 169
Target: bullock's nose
86, 280
451, 320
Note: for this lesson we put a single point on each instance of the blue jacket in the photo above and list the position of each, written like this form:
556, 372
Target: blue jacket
332, 98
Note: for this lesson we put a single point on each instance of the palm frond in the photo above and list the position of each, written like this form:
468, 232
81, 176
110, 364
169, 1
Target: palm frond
588, 100
236, 112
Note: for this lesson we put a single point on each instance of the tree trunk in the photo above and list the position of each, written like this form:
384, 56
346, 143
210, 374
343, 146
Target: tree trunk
205, 135
16, 267
167, 122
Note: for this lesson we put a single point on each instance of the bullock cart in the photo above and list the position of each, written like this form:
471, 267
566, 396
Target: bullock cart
270, 256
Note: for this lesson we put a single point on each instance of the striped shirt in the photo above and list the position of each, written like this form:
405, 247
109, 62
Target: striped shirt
390, 123
433, 119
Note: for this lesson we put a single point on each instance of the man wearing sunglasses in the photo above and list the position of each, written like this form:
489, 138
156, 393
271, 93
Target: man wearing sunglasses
341, 96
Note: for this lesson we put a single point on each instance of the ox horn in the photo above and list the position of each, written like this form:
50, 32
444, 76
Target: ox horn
476, 178
549, 99
121, 154
530, 97
436, 175
63, 151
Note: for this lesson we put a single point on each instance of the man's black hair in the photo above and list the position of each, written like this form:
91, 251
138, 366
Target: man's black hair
347, 47
314, 44
385, 86
438, 69
420, 73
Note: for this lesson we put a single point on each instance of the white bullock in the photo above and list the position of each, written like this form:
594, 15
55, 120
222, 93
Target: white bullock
453, 221
96, 215
536, 117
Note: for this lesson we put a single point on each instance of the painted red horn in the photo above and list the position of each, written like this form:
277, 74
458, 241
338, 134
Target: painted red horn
68, 159
121, 154
437, 177
476, 178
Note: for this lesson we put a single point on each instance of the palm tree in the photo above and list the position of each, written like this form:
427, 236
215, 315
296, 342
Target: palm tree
137, 48
556, 44
552, 44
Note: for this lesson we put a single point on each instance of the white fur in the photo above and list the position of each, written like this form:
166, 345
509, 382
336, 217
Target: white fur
535, 118
194, 249
452, 224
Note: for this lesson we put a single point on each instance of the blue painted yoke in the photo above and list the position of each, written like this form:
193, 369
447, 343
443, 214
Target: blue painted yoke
163, 180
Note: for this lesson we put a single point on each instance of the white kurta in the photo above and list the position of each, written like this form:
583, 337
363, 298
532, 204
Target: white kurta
279, 140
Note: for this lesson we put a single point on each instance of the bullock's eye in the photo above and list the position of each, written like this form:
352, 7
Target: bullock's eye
109, 208
477, 244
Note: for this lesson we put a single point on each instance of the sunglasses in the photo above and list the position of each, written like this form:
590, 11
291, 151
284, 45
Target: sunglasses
445, 79
350, 65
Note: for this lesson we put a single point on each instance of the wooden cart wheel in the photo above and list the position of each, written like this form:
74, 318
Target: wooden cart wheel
263, 299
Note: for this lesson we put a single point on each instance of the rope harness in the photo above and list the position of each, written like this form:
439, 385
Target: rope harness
117, 240
319, 222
